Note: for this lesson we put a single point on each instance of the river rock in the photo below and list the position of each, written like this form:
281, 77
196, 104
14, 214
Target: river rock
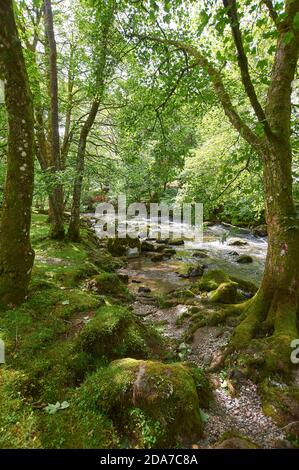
260, 231
147, 246
176, 241
200, 254
144, 289
244, 259
238, 242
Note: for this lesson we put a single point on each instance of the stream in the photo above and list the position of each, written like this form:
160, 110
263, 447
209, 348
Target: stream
240, 414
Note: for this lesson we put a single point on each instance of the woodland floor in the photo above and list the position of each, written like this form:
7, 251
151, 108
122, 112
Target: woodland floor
43, 367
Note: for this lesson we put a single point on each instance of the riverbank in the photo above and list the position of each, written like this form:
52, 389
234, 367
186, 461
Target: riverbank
93, 361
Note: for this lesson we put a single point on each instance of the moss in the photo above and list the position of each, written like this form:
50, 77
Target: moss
159, 404
226, 293
212, 279
73, 429
18, 422
115, 332
110, 284
120, 246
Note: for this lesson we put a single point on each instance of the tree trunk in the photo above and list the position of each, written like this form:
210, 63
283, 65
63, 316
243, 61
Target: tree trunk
74, 227
16, 253
56, 199
274, 311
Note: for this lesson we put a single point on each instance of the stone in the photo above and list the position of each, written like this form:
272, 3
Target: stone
144, 289
238, 242
133, 392
147, 246
260, 231
244, 259
226, 293
236, 443
200, 254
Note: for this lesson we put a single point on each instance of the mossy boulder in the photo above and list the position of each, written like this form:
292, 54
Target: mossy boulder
108, 284
226, 293
115, 332
154, 404
211, 280
122, 246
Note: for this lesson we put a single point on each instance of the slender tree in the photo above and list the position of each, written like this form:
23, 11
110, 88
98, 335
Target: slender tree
106, 20
16, 253
56, 199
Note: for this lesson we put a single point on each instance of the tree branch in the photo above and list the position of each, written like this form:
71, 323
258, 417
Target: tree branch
219, 88
272, 12
232, 13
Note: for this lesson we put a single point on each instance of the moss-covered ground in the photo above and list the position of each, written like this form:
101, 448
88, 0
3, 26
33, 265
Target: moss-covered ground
60, 343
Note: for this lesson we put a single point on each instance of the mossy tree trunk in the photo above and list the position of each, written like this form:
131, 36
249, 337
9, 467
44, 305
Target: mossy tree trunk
273, 312
275, 308
16, 253
56, 205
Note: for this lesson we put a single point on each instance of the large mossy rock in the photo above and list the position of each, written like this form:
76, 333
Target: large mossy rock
115, 332
122, 246
152, 404
226, 293
211, 280
108, 284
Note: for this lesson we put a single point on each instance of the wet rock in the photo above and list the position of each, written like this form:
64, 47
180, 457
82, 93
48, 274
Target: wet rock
197, 271
233, 253
136, 281
144, 289
244, 259
200, 254
238, 242
164, 241
176, 241
193, 271
147, 246
124, 278
260, 231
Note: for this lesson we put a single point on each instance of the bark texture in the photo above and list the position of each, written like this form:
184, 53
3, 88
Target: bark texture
16, 253
56, 199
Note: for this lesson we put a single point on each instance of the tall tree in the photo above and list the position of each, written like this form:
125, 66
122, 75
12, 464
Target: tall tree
56, 201
106, 21
16, 253
274, 310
